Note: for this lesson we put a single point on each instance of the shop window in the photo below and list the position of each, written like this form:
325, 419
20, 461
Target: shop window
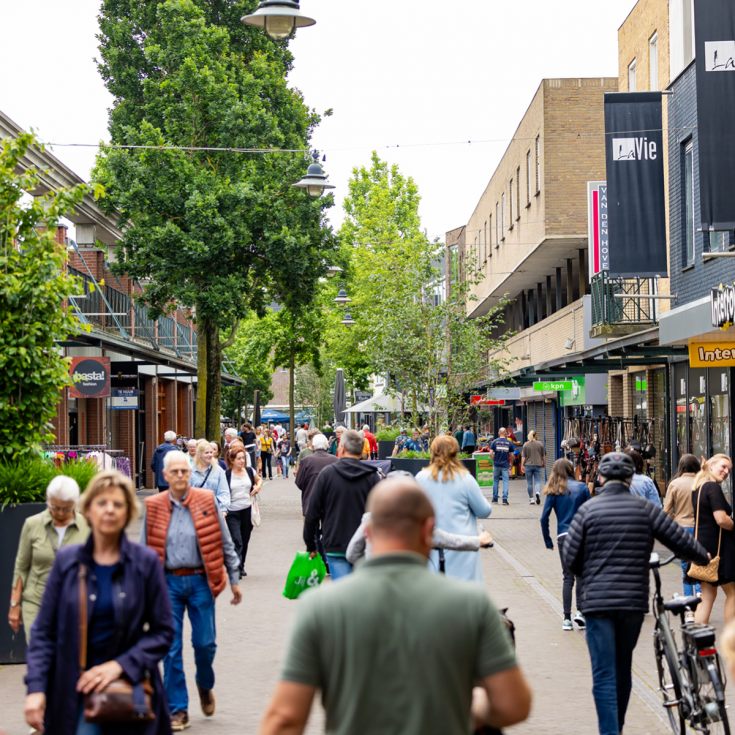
698, 430
639, 386
688, 193
680, 391
719, 414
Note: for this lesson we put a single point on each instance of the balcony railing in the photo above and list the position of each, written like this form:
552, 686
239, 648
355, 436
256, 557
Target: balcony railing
622, 306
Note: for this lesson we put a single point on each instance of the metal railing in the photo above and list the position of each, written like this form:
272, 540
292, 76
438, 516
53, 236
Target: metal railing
620, 306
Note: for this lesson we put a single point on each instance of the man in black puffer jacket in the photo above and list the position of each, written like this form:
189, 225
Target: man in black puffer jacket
609, 545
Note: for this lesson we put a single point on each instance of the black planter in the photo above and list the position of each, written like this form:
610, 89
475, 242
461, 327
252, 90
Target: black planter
414, 466
385, 449
12, 646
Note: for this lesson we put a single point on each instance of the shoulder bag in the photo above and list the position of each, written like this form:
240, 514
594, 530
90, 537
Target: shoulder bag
206, 477
121, 701
708, 572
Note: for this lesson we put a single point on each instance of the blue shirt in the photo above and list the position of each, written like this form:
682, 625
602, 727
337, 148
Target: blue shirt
101, 624
644, 486
413, 445
469, 440
502, 449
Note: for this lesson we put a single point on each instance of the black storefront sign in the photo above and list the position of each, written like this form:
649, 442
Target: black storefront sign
635, 184
714, 22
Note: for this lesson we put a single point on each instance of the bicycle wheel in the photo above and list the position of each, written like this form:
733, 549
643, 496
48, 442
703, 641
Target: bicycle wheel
711, 697
668, 682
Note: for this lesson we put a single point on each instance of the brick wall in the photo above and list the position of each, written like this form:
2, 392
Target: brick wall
646, 18
688, 282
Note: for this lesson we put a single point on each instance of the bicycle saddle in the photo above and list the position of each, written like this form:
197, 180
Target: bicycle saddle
677, 605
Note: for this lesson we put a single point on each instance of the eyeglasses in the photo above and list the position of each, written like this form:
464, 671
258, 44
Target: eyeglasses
61, 510
179, 472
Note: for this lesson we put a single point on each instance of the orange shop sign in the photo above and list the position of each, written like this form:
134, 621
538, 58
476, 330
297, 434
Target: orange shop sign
712, 354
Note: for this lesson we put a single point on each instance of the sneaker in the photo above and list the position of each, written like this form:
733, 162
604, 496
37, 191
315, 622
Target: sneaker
180, 721
538, 498
505, 502
688, 616
206, 699
580, 621
567, 624
495, 500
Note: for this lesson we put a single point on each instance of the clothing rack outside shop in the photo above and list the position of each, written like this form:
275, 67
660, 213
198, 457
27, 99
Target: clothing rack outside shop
106, 458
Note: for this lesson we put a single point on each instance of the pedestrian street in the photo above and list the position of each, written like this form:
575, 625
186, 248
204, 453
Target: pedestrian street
520, 573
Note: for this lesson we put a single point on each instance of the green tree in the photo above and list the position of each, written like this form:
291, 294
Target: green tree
417, 335
34, 292
212, 229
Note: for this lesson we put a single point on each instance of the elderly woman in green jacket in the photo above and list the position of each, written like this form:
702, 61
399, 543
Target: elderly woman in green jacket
42, 536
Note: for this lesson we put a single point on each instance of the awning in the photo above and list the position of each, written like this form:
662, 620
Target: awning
382, 403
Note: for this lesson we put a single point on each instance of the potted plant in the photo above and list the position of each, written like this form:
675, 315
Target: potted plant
386, 439
414, 462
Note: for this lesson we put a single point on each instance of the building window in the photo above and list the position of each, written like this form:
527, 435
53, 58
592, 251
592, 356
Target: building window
510, 205
497, 225
537, 147
688, 189
490, 237
518, 192
484, 244
477, 253
632, 87
529, 174
719, 241
502, 217
653, 62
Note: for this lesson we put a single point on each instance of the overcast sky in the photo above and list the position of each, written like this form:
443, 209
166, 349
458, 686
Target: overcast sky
412, 79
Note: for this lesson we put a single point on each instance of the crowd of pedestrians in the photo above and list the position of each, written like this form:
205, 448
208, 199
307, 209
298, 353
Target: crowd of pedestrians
98, 609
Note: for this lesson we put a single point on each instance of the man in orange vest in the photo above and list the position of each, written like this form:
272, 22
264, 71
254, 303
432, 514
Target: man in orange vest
191, 538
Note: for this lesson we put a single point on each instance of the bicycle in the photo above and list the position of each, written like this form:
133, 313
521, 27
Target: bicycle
691, 678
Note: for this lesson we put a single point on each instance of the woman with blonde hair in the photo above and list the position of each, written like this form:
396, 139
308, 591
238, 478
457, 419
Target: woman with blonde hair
713, 528
458, 502
564, 495
105, 615
207, 473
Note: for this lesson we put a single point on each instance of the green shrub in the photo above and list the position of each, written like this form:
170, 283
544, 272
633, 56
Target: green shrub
25, 480
388, 434
414, 455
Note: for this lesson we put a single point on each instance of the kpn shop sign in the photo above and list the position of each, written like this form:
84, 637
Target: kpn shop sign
551, 386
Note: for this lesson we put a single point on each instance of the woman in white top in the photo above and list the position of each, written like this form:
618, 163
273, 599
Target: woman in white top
458, 502
244, 485
207, 473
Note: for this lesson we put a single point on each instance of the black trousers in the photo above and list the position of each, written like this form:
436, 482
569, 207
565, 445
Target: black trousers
265, 458
240, 527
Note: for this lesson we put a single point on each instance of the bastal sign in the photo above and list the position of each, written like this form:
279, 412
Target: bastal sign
635, 184
91, 377
714, 23
597, 227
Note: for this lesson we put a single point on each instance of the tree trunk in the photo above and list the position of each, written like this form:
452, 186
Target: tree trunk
209, 386
291, 401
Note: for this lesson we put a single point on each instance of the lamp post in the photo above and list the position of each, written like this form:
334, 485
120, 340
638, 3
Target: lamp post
315, 181
342, 300
279, 18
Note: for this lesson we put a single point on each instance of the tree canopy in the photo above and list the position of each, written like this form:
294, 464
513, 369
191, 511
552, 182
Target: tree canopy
221, 231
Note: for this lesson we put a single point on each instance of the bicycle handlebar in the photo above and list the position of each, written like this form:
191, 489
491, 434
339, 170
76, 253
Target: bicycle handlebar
655, 561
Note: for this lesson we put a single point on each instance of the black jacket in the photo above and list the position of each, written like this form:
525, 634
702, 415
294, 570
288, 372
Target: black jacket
309, 469
609, 544
337, 502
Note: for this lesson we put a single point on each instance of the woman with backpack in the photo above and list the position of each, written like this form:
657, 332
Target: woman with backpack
564, 495
244, 484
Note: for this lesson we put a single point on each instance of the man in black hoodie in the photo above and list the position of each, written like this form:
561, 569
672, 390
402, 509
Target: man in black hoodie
338, 501
609, 545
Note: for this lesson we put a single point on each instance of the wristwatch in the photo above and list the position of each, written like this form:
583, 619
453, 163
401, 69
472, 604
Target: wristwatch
14, 604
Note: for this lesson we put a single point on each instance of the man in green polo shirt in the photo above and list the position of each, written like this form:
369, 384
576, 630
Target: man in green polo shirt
394, 648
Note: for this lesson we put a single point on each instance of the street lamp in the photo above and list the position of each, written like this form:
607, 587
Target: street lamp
347, 319
279, 18
342, 298
315, 181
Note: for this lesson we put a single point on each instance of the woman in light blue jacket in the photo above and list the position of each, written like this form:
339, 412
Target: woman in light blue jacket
207, 473
458, 502
564, 495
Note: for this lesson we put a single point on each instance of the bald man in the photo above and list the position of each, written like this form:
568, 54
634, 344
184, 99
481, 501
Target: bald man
394, 648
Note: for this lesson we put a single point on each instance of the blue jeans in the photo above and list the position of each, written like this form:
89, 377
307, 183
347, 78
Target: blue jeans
533, 478
84, 727
497, 471
285, 462
690, 588
190, 593
611, 639
338, 566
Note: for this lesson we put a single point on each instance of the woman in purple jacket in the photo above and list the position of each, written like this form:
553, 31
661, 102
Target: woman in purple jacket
564, 495
129, 628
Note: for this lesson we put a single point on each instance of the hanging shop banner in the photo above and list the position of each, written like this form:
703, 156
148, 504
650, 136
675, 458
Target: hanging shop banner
714, 22
635, 184
125, 399
597, 229
711, 354
91, 377
722, 305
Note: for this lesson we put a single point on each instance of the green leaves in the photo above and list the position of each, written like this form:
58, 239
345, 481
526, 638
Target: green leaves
34, 290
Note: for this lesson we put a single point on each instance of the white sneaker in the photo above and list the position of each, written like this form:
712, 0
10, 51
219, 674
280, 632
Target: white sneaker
532, 502
567, 624
579, 620
688, 617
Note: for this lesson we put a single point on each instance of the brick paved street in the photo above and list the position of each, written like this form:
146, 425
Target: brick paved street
520, 574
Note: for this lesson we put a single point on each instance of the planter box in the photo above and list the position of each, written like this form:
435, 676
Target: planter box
385, 449
414, 466
12, 646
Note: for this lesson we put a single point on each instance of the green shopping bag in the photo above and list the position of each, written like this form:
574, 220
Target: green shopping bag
303, 574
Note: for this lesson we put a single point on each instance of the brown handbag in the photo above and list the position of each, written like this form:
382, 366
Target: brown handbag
707, 572
120, 701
